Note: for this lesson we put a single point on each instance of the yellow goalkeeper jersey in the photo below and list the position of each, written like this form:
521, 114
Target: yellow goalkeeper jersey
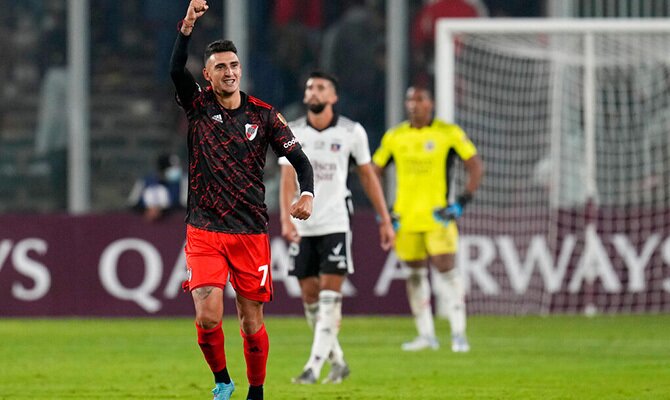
422, 158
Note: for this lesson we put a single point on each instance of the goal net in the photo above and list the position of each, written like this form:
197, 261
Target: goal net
572, 120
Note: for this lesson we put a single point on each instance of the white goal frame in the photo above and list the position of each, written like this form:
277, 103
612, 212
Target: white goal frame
448, 28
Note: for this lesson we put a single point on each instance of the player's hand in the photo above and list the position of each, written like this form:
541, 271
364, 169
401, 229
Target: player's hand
386, 235
289, 232
448, 214
196, 9
302, 208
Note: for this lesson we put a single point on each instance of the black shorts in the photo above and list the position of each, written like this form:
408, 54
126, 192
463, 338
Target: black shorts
315, 255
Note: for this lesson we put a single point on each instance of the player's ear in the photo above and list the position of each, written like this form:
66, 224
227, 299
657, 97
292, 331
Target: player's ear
206, 74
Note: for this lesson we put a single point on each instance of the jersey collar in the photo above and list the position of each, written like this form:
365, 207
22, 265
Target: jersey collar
332, 123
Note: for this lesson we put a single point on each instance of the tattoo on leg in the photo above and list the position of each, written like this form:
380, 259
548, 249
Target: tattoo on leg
203, 292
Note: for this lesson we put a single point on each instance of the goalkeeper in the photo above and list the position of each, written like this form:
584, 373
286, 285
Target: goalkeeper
423, 150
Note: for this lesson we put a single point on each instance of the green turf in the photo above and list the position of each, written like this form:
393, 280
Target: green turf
558, 357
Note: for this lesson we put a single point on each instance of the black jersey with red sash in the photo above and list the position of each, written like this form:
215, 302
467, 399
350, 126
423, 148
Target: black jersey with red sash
227, 150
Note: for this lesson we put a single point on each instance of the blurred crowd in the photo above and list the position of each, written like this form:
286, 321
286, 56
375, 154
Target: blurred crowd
288, 39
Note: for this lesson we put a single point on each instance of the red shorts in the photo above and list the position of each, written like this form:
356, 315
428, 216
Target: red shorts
212, 256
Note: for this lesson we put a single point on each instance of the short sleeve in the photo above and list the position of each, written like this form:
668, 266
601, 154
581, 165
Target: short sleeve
384, 152
361, 147
463, 145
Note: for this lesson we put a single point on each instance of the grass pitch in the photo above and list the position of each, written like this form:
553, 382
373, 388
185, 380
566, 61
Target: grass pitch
557, 357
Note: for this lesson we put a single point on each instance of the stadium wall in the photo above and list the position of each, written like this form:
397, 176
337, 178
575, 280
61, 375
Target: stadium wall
121, 265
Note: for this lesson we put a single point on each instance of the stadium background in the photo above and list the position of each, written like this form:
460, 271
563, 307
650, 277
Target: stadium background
119, 264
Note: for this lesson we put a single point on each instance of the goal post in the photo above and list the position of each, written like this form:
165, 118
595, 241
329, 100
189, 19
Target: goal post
572, 120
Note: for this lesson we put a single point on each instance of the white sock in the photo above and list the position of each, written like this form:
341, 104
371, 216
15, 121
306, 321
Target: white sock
326, 329
455, 293
336, 355
418, 294
311, 311
438, 288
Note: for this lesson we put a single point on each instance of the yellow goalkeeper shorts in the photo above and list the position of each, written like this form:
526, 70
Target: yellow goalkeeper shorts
415, 246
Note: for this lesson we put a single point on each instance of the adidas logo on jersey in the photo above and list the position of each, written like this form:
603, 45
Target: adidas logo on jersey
218, 118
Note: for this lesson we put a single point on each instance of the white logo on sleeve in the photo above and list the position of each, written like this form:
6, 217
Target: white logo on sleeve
290, 143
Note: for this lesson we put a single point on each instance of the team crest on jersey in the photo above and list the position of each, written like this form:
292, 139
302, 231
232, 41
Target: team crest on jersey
250, 130
335, 147
282, 119
430, 145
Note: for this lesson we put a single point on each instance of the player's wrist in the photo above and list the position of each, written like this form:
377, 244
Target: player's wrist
463, 199
185, 27
383, 219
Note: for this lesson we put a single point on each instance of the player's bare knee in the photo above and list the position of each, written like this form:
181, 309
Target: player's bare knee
443, 262
310, 298
309, 288
250, 325
207, 321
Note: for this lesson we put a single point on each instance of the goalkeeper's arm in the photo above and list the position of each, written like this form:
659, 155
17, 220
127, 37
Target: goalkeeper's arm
475, 170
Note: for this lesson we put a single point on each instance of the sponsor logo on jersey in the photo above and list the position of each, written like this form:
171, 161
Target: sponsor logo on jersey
250, 130
290, 143
218, 118
320, 145
340, 259
338, 248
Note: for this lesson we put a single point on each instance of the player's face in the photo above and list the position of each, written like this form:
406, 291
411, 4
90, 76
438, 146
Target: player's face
319, 93
223, 71
419, 105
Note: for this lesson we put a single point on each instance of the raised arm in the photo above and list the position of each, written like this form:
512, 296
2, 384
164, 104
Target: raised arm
183, 80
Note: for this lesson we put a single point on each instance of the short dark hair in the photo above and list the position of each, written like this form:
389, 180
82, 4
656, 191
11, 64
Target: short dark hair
424, 88
219, 46
327, 76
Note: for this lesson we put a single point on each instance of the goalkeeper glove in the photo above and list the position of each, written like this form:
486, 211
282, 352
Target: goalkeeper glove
453, 211
395, 221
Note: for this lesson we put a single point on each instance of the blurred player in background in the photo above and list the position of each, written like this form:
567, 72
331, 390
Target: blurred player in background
162, 192
228, 136
423, 149
320, 247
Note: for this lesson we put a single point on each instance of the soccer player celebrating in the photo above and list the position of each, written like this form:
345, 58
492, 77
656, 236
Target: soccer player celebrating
320, 248
423, 149
226, 237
